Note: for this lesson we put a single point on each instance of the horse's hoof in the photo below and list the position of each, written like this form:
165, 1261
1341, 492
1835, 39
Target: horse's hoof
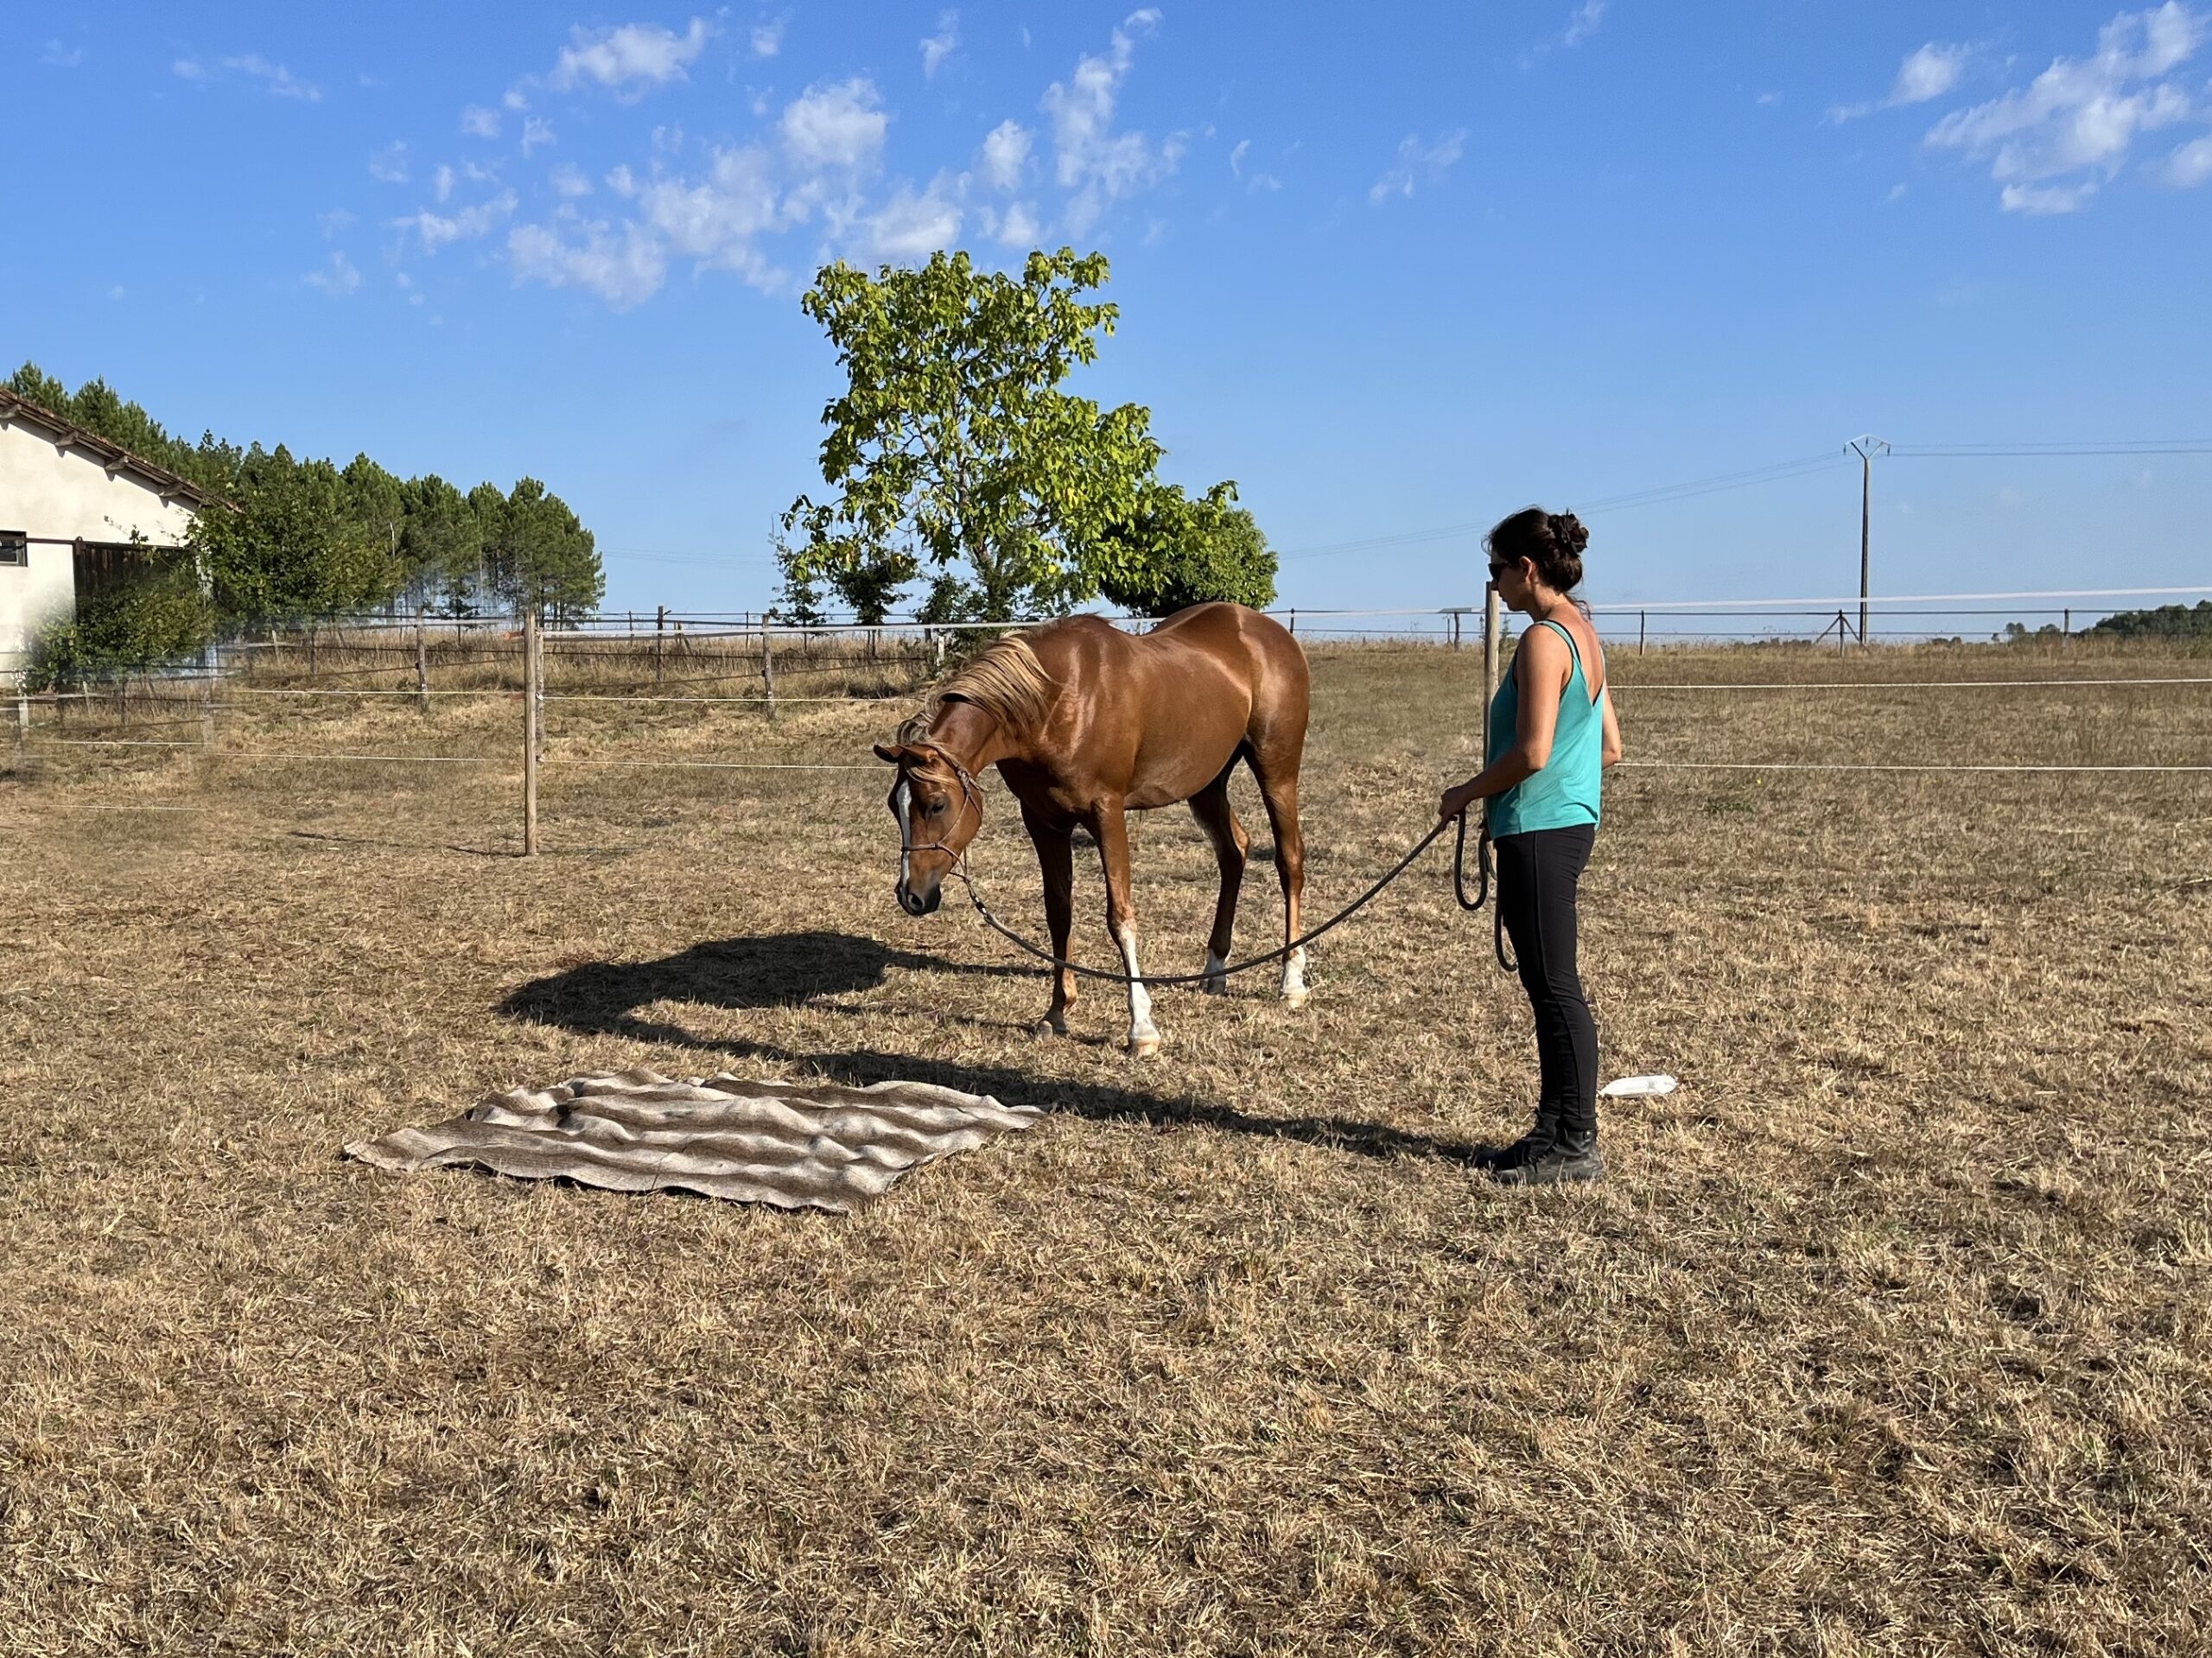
1295, 1000
1144, 1045
1214, 986
1051, 1024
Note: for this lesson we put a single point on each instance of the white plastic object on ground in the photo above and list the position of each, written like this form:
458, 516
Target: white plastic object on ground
1637, 1088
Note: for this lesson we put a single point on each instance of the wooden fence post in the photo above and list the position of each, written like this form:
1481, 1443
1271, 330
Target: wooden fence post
1493, 645
421, 662
1293, 621
768, 665
1455, 628
22, 727
1642, 628
2066, 628
531, 691
660, 634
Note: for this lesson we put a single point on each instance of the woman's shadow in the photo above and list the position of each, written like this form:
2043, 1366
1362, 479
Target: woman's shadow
788, 969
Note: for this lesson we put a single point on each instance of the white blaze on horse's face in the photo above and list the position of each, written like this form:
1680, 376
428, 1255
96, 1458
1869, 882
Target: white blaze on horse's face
934, 825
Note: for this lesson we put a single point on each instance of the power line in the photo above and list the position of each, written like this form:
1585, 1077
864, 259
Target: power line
1774, 473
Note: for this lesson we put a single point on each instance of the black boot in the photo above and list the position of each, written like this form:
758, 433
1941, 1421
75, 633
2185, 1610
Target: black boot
1542, 1136
1566, 1159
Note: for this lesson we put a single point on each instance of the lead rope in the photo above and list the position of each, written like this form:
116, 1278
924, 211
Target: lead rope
1459, 887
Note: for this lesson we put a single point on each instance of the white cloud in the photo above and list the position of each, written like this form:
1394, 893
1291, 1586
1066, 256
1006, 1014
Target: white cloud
768, 38
441, 181
1018, 226
436, 230
513, 98
330, 224
276, 79
58, 56
1584, 23
1416, 161
389, 165
910, 226
937, 48
715, 220
1925, 75
2050, 144
625, 267
2190, 166
839, 126
1929, 72
636, 56
1090, 159
279, 80
569, 182
2040, 199
1006, 152
337, 279
1236, 158
478, 122
535, 132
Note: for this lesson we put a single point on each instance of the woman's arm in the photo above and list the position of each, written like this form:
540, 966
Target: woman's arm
1543, 666
1611, 755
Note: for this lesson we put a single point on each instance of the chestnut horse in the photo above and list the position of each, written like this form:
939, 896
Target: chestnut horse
1086, 723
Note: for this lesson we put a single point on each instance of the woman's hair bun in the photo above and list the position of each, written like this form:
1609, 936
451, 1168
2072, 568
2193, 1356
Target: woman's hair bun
1553, 542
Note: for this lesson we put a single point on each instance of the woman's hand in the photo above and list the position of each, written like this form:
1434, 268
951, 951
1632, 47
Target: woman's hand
1456, 801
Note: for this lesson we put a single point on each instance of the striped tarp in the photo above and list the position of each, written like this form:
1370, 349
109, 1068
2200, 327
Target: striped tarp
794, 1145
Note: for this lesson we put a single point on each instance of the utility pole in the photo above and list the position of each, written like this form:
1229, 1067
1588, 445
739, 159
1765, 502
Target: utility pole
1866, 447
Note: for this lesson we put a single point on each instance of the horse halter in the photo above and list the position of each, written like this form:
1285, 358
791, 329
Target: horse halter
971, 792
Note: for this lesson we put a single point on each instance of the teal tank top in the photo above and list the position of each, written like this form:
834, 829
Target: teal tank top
1566, 793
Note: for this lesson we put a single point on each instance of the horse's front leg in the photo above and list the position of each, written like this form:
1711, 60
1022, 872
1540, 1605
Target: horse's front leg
1122, 925
1055, 845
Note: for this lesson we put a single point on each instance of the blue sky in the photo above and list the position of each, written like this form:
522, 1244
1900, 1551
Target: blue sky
1393, 269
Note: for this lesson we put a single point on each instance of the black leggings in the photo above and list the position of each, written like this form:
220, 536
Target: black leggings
1536, 876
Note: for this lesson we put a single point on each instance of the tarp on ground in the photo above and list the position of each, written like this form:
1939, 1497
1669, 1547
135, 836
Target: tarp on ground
794, 1145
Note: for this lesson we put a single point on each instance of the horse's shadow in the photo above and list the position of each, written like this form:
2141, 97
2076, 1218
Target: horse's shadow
787, 969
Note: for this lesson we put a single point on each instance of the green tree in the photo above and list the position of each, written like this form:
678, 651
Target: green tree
440, 542
2165, 622
542, 555
377, 502
955, 455
293, 549
1177, 552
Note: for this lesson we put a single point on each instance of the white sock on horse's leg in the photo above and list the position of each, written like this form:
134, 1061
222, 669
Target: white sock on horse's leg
1294, 978
1144, 1035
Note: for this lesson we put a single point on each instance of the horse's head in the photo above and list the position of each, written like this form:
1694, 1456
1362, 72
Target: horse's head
939, 808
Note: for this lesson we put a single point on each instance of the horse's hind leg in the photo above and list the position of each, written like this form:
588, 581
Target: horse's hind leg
1218, 819
1274, 766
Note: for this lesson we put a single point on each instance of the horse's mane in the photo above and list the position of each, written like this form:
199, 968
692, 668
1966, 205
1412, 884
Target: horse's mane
1005, 680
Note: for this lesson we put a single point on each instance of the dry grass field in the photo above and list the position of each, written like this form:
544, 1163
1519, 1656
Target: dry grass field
1889, 1332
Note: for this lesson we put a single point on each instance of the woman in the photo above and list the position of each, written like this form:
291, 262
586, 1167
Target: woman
1552, 732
